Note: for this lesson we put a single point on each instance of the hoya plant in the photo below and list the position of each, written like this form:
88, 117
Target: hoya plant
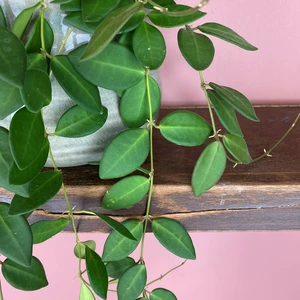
125, 47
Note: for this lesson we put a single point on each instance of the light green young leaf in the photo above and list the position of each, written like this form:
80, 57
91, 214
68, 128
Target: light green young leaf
29, 278
2, 18
209, 168
115, 269
15, 237
75, 19
86, 293
162, 294
133, 22
226, 34
37, 61
132, 282
79, 249
71, 5
172, 235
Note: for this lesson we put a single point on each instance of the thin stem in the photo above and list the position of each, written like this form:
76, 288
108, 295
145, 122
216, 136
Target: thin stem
144, 171
64, 41
42, 14
1, 294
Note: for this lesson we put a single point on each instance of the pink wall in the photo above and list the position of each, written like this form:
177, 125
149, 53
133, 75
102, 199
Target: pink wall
230, 265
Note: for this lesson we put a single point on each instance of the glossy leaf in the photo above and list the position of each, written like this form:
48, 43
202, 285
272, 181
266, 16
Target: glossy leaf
79, 249
22, 20
126, 192
13, 58
185, 128
226, 34
172, 235
237, 147
29, 278
149, 46
108, 28
162, 294
134, 106
71, 5
37, 61
115, 68
81, 91
15, 237
26, 137
236, 99
78, 122
17, 176
225, 113
132, 283
2, 18
209, 168
115, 269
197, 49
118, 246
46, 229
125, 153
96, 272
75, 19
133, 22
86, 293
43, 188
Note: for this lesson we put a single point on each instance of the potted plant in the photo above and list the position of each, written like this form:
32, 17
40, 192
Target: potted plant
126, 45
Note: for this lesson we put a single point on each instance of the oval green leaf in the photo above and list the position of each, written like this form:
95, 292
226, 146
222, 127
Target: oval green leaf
75, 19
79, 249
115, 269
133, 22
37, 61
86, 293
2, 18
209, 168
162, 294
132, 283
172, 235
71, 5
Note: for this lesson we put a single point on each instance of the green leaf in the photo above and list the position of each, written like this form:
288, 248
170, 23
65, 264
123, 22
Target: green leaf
26, 137
108, 28
86, 293
96, 272
118, 246
236, 99
15, 237
78, 122
172, 235
79, 249
71, 5
29, 278
115, 68
75, 19
162, 294
125, 153
161, 3
115, 269
13, 58
17, 176
149, 46
81, 91
37, 61
132, 282
134, 106
237, 147
46, 229
60, 1
185, 128
160, 19
225, 113
37, 91
197, 49
226, 34
126, 39
43, 188
126, 192
2, 18
209, 168
133, 22
22, 20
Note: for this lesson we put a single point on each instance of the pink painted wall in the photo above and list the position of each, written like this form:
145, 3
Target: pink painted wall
229, 265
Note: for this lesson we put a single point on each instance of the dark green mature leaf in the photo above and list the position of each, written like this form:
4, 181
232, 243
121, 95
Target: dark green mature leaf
133, 22
17, 176
162, 294
29, 278
78, 122
237, 147
96, 272
172, 235
81, 91
236, 99
197, 49
43, 188
108, 28
209, 168
2, 18
37, 61
126, 40
71, 5
79, 249
185, 128
13, 58
125, 153
149, 46
115, 269
118, 246
22, 20
46, 229
161, 3
226, 34
134, 106
126, 192
132, 282
75, 19
26, 137
15, 237
86, 293
116, 68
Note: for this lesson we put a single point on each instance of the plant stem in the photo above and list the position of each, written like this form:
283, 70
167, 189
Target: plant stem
1, 294
42, 14
64, 41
